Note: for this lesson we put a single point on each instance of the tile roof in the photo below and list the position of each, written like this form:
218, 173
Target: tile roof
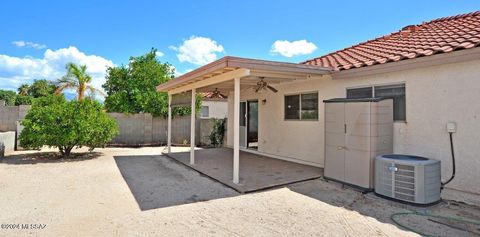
437, 36
211, 95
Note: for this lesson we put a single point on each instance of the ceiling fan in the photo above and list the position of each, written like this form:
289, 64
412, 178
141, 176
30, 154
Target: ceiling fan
262, 86
217, 94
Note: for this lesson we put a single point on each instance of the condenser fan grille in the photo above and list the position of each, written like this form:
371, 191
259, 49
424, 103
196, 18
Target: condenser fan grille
404, 184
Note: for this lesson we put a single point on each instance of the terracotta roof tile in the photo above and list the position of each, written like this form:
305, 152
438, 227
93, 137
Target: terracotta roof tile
437, 36
212, 95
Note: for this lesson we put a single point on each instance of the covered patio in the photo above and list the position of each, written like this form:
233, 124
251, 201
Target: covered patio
233, 75
257, 172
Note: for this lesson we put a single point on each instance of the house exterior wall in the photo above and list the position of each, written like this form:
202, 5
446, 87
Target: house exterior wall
435, 95
216, 109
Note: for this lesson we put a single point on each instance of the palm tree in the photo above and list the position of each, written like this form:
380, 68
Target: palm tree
23, 89
77, 78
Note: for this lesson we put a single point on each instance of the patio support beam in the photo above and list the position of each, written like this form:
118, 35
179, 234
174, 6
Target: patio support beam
236, 131
169, 126
241, 72
192, 129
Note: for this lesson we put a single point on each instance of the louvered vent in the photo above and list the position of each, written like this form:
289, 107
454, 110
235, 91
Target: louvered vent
404, 183
384, 181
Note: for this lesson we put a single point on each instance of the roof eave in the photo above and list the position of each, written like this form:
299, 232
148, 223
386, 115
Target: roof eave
237, 62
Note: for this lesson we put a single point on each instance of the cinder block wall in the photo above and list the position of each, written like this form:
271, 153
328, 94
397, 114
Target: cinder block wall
9, 115
206, 127
135, 129
9, 120
143, 129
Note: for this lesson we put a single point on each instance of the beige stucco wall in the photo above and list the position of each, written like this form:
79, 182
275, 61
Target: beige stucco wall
434, 96
217, 109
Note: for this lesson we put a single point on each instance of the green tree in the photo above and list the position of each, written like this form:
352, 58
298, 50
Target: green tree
8, 96
78, 79
41, 88
54, 122
23, 100
23, 89
132, 88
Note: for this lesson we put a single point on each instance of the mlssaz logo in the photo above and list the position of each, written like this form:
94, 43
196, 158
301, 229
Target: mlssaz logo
23, 226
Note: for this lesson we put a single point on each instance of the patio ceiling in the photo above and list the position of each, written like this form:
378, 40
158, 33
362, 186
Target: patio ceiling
219, 74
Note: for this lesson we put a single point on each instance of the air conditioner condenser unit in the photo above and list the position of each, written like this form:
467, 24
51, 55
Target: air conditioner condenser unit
408, 178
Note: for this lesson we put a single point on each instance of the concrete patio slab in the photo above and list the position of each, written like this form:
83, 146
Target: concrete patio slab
256, 172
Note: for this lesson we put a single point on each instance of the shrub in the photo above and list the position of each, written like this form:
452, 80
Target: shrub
8, 97
54, 122
218, 132
23, 100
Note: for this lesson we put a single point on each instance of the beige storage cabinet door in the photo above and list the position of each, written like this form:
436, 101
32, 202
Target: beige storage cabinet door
335, 141
357, 140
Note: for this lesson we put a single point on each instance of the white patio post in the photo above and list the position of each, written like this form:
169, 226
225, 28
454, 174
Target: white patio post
192, 130
169, 128
236, 131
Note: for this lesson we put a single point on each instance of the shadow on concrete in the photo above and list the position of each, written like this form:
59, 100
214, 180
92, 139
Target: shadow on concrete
47, 157
381, 209
257, 172
157, 182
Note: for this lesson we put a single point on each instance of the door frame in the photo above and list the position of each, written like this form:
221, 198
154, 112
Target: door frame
244, 138
247, 121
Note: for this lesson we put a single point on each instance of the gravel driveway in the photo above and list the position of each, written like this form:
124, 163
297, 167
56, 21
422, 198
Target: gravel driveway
135, 192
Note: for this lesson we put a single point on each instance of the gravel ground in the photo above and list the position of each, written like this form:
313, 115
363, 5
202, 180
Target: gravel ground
135, 192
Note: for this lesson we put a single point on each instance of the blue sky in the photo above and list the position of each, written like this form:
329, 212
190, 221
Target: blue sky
38, 37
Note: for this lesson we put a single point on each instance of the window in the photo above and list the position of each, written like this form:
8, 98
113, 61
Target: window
292, 107
243, 114
357, 93
204, 112
396, 92
301, 106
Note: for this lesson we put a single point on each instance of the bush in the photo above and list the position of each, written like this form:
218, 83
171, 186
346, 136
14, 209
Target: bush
8, 97
218, 132
54, 122
23, 100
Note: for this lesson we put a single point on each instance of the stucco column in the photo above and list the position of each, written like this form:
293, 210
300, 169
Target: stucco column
192, 130
236, 131
169, 126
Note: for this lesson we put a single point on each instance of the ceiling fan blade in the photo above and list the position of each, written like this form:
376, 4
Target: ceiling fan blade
272, 89
222, 95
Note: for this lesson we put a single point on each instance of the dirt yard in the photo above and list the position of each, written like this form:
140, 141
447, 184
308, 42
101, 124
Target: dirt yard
136, 192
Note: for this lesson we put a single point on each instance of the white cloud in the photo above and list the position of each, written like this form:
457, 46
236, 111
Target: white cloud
159, 54
15, 71
198, 50
293, 48
28, 44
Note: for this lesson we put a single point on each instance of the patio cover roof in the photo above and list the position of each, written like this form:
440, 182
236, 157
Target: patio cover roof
231, 74
219, 74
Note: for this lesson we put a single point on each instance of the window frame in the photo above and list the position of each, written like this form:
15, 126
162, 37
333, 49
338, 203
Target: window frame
402, 83
208, 111
300, 106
